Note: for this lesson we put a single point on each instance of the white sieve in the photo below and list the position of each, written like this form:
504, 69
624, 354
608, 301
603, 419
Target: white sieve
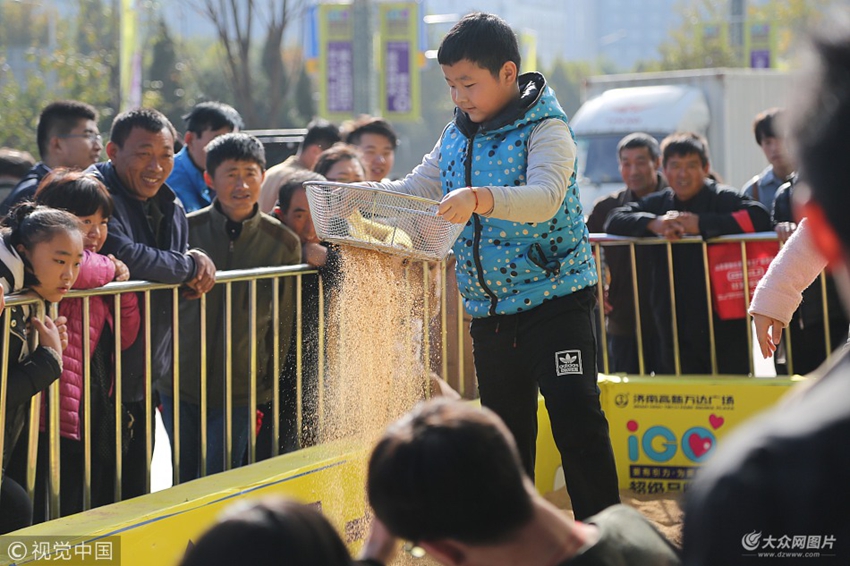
376, 219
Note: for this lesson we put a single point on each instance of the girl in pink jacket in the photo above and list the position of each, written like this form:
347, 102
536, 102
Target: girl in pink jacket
85, 196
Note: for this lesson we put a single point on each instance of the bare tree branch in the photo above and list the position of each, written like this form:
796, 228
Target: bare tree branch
235, 22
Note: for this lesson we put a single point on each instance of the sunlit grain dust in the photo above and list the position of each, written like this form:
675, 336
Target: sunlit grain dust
375, 371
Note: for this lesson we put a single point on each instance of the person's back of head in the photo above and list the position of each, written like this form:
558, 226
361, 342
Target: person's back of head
236, 146
148, 119
14, 166
819, 123
270, 533
321, 132
683, 144
212, 116
448, 470
58, 119
15, 163
81, 194
483, 39
769, 124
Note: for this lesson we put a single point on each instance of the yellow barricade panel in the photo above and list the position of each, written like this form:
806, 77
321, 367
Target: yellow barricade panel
664, 428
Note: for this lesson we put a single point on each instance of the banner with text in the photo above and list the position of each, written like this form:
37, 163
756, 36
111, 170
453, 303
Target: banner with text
336, 61
398, 65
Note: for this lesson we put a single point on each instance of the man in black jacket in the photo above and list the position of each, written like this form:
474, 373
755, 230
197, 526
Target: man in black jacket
640, 159
693, 205
148, 231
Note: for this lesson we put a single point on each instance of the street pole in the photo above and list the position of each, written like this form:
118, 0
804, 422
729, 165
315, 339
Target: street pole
365, 91
737, 14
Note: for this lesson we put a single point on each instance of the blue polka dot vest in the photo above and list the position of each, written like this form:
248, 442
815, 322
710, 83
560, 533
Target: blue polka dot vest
506, 267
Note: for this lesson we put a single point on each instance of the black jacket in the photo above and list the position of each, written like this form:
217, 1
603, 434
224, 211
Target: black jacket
621, 319
29, 373
25, 189
162, 259
714, 204
810, 312
783, 474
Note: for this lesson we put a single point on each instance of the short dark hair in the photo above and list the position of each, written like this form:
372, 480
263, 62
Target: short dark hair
81, 194
321, 132
370, 125
335, 154
295, 182
15, 162
59, 118
29, 224
449, 470
212, 116
240, 147
681, 144
260, 533
484, 39
638, 140
148, 119
768, 124
819, 123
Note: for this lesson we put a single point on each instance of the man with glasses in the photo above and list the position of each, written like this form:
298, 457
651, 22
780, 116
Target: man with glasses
67, 136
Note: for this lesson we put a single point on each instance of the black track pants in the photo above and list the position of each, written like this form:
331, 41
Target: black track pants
553, 347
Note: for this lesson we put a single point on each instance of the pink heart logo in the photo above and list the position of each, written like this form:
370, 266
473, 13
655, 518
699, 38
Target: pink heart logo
716, 422
699, 444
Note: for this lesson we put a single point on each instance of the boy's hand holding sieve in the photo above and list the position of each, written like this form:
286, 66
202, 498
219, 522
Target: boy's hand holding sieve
458, 205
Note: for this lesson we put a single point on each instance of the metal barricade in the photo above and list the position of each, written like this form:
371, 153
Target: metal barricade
602, 241
446, 323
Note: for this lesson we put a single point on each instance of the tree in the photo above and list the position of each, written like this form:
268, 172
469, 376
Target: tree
699, 42
52, 67
693, 45
566, 79
257, 100
305, 104
163, 85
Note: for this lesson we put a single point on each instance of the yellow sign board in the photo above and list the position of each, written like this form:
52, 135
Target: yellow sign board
663, 429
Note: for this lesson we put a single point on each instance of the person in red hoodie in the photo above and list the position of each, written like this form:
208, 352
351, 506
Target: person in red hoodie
85, 196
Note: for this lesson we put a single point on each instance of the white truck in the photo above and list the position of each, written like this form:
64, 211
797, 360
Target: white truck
717, 103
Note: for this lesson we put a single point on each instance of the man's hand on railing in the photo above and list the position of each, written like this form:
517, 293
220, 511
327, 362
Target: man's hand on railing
204, 278
667, 226
768, 333
122, 273
784, 231
52, 334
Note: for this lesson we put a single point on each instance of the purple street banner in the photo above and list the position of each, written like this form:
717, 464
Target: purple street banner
398, 66
336, 61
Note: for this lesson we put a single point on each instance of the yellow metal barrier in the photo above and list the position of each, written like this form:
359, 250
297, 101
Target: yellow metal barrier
452, 360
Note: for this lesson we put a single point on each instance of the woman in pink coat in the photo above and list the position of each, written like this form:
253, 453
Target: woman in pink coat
86, 197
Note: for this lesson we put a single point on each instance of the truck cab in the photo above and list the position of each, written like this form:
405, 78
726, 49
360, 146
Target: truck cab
604, 120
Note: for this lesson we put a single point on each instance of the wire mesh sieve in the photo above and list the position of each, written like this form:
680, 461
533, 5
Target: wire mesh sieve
376, 219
